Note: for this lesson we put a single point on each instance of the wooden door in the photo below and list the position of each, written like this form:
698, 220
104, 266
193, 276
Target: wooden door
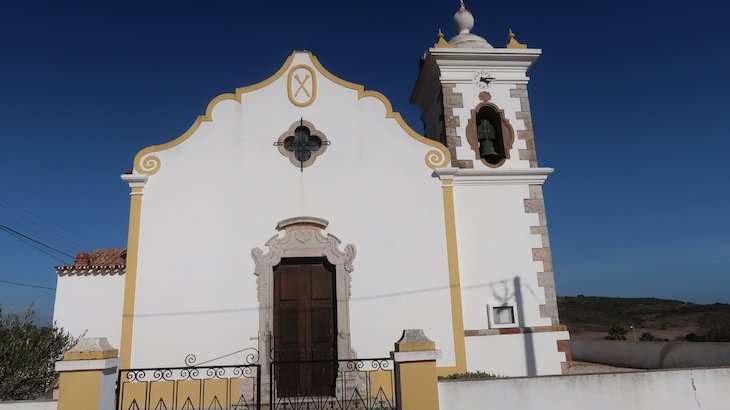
305, 327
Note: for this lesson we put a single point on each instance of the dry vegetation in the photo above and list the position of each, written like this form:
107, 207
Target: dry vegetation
591, 317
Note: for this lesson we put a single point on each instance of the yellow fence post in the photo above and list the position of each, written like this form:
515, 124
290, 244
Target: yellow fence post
416, 382
88, 376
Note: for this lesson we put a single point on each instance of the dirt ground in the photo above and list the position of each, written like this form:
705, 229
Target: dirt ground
671, 333
592, 368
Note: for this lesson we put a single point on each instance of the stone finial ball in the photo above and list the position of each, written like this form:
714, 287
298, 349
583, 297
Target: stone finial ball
463, 21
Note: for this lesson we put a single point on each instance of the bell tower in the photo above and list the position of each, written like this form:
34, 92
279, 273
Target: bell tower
466, 84
474, 100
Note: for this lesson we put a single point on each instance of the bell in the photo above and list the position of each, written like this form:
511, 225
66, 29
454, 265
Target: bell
487, 135
486, 149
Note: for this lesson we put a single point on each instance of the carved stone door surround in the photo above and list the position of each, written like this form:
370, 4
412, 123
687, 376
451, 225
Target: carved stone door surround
303, 237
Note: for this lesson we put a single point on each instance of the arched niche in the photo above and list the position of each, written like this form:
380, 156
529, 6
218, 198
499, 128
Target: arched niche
505, 132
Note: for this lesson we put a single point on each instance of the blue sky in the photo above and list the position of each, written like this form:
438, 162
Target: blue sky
628, 99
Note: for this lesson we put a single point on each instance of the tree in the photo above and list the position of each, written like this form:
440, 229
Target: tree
617, 332
647, 337
28, 354
714, 327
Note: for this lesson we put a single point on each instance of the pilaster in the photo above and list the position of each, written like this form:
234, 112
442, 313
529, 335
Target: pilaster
415, 371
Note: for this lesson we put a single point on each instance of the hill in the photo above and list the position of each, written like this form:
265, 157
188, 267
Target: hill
591, 317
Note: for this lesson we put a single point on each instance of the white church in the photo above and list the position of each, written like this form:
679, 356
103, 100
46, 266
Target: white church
302, 218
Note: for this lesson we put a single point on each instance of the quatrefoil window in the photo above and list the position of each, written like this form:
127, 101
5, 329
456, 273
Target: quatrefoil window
302, 144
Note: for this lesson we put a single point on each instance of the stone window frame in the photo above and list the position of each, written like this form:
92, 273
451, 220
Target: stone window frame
490, 315
508, 133
303, 238
314, 132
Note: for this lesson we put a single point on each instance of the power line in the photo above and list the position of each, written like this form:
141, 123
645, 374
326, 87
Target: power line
51, 239
28, 285
92, 240
26, 239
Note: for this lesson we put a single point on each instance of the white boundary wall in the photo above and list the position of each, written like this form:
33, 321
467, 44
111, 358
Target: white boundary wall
651, 355
29, 405
669, 389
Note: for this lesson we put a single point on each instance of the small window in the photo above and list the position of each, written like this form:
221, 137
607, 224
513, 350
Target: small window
302, 144
501, 316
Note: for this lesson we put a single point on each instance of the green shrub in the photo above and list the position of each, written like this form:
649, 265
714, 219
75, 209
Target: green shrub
617, 332
28, 354
471, 375
694, 337
647, 337
714, 327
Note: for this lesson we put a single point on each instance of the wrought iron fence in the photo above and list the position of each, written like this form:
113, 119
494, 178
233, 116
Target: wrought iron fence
190, 388
362, 384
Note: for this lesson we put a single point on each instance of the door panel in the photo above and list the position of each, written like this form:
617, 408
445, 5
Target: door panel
305, 327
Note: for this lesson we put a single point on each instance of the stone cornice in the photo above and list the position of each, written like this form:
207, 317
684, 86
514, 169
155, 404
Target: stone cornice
134, 181
501, 176
457, 65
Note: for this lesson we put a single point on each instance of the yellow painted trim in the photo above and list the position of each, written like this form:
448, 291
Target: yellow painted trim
95, 355
313, 77
442, 43
512, 41
147, 164
415, 347
437, 158
457, 315
130, 276
79, 390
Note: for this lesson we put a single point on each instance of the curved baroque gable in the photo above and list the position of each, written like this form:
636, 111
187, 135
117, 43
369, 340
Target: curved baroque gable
147, 163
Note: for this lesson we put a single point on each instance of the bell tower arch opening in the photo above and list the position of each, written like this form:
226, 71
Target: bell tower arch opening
489, 135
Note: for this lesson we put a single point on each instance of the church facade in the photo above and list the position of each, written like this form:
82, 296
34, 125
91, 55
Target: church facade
302, 218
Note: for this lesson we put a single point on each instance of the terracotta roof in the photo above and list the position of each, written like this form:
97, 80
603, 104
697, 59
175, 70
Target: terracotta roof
109, 257
99, 259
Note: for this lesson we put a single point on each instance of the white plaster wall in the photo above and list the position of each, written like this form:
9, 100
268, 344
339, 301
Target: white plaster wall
220, 194
432, 121
675, 389
29, 405
496, 267
495, 253
90, 304
516, 355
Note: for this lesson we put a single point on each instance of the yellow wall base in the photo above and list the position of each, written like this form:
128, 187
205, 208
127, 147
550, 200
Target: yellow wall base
417, 386
79, 390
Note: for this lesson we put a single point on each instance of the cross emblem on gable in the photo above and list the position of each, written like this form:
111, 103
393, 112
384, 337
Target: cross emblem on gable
302, 85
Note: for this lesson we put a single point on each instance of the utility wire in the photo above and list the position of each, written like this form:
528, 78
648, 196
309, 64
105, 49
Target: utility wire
27, 239
26, 285
51, 240
49, 221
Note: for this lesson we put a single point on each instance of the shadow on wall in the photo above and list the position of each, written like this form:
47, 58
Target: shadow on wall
503, 295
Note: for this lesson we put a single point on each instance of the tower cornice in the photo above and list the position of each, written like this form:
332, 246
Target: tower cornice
456, 65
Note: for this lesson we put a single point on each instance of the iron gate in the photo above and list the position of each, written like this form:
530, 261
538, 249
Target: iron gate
358, 384
190, 388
